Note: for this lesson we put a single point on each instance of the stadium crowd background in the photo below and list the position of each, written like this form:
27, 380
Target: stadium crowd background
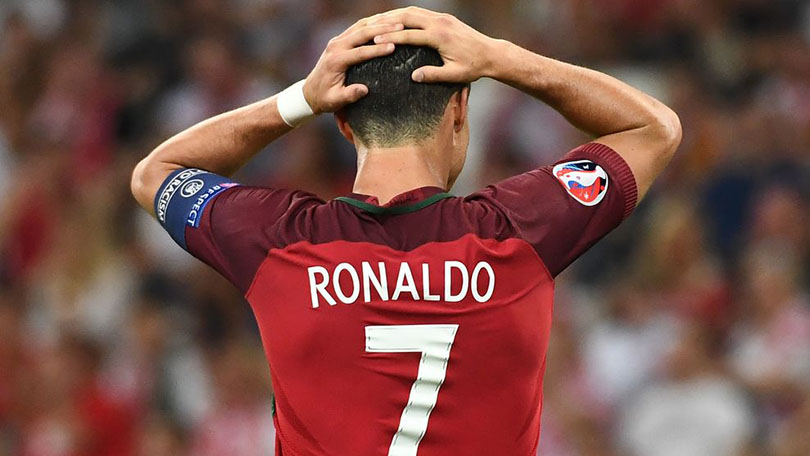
686, 332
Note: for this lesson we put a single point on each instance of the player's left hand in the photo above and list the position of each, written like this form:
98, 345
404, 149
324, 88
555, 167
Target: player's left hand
325, 89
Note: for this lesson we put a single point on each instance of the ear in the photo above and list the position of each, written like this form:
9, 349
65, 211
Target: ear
459, 101
343, 126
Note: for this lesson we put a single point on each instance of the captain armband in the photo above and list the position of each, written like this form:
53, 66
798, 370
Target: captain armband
182, 198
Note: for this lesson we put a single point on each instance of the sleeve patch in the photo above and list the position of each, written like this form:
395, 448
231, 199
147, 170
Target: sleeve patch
183, 197
584, 180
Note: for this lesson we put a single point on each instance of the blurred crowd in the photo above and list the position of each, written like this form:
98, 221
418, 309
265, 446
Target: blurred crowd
684, 333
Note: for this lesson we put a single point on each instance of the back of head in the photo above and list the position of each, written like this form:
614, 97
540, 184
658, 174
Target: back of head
397, 110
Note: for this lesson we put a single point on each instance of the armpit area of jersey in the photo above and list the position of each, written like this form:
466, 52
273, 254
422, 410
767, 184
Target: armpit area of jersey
182, 198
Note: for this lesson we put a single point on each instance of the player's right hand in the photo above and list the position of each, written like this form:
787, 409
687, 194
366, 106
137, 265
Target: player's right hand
324, 88
467, 53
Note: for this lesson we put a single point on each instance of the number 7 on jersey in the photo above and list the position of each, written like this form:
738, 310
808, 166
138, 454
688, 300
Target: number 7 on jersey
435, 343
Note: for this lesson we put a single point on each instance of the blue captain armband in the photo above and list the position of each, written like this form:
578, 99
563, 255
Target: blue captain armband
182, 198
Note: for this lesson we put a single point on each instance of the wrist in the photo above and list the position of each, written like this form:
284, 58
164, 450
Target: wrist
524, 70
293, 105
309, 97
496, 61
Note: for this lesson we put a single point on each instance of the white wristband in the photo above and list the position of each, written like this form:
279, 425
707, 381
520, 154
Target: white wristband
292, 105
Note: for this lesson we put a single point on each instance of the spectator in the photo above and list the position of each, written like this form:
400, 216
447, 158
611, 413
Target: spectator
694, 410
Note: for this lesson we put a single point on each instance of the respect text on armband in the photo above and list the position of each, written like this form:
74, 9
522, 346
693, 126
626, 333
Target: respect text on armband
193, 219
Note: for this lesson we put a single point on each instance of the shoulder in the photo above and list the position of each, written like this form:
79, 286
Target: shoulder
275, 212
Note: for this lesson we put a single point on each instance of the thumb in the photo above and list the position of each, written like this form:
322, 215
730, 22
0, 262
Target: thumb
428, 74
354, 92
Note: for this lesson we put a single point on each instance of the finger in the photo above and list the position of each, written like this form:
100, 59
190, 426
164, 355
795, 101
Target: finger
371, 20
365, 34
433, 74
363, 53
412, 17
377, 19
414, 12
411, 37
354, 92
361, 23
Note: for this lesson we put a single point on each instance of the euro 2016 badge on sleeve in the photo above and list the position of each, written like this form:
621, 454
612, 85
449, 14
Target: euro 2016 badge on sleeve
584, 180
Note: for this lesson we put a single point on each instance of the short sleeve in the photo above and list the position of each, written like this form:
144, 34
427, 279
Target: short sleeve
563, 209
226, 225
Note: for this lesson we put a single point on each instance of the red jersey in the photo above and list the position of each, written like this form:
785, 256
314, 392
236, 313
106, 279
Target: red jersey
416, 327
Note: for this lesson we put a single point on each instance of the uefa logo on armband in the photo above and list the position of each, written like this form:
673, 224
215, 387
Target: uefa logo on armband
584, 180
191, 188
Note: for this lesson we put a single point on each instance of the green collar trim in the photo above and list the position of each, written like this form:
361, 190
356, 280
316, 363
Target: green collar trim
394, 210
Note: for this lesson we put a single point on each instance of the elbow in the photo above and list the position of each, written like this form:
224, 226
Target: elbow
147, 177
138, 184
666, 131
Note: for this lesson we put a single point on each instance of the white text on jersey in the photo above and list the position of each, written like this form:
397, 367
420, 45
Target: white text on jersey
459, 283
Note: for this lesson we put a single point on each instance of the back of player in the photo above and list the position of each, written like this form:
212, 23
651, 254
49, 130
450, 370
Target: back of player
397, 328
418, 325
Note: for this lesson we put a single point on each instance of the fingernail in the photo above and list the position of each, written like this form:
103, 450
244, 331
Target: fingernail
390, 47
378, 39
418, 76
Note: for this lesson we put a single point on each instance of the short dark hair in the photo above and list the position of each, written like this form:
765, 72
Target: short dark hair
396, 109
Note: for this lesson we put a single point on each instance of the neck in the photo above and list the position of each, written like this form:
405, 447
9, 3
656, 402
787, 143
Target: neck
387, 172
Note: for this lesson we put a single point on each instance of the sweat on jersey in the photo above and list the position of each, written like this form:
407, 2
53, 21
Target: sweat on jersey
420, 325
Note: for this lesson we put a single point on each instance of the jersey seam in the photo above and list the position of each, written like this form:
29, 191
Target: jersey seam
519, 234
286, 442
212, 207
276, 228
544, 267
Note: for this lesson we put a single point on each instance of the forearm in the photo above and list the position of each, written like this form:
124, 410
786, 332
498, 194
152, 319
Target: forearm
226, 142
592, 101
221, 145
641, 129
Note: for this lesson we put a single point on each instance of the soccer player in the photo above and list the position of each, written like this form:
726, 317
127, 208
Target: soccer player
402, 320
